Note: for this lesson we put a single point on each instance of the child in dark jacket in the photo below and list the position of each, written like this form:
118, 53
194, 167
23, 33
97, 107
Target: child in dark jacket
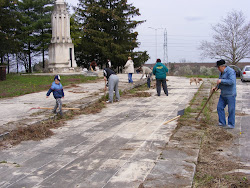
58, 93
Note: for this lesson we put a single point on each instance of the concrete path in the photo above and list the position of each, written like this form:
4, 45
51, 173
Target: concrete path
241, 149
119, 147
17, 111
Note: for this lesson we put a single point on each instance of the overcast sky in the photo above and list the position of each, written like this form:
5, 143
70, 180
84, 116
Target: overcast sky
185, 23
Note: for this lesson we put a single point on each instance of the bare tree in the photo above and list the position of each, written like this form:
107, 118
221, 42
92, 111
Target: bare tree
231, 40
183, 60
23, 60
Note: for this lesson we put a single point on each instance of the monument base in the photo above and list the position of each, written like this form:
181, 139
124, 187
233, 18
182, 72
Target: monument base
65, 70
61, 55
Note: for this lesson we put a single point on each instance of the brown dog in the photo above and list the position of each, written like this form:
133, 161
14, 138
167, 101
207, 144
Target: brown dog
196, 80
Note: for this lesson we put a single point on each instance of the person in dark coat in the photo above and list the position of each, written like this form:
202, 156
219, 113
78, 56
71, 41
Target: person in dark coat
113, 80
160, 72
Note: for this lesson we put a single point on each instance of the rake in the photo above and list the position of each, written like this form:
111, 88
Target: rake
47, 108
179, 114
213, 91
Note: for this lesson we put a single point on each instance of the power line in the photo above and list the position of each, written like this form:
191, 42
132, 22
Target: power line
169, 46
172, 42
189, 36
192, 36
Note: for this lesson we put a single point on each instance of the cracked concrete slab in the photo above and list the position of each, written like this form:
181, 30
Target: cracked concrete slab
119, 147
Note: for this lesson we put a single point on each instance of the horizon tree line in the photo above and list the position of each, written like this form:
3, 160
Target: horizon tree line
101, 30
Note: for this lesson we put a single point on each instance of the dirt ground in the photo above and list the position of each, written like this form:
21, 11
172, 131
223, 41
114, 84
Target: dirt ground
214, 161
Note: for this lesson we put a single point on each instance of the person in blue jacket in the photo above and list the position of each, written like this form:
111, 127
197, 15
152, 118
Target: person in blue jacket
160, 72
58, 93
227, 84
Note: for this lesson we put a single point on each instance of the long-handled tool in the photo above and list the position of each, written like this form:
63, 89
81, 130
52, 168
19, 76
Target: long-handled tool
207, 102
47, 108
179, 114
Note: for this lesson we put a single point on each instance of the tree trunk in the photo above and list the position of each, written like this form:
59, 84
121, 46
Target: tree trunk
43, 51
30, 71
43, 59
8, 61
16, 64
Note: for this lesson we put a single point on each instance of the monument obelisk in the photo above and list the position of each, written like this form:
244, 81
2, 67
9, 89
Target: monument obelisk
61, 49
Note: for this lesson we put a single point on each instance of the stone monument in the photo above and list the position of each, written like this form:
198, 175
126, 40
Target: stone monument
61, 49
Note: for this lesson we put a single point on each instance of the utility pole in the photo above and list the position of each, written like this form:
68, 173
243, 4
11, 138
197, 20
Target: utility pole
165, 46
156, 56
155, 41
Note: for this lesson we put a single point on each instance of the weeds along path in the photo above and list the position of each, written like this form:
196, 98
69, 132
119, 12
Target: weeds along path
217, 148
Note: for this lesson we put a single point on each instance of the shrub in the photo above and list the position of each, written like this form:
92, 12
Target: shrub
184, 70
208, 71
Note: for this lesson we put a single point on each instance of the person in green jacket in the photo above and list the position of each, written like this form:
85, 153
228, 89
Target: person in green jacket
160, 72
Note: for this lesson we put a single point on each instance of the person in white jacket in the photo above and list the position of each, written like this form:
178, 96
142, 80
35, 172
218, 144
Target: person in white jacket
146, 71
108, 64
129, 69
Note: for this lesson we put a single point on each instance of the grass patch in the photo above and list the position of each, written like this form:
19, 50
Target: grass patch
16, 85
15, 164
203, 180
188, 113
202, 76
193, 99
138, 89
192, 108
137, 92
94, 108
196, 94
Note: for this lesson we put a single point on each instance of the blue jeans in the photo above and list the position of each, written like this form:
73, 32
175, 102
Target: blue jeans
223, 101
149, 80
130, 78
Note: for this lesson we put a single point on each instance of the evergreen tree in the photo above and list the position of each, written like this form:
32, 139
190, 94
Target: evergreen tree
76, 32
35, 31
25, 34
8, 25
140, 58
43, 9
108, 31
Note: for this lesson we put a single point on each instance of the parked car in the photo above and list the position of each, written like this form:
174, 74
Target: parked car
236, 69
245, 74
